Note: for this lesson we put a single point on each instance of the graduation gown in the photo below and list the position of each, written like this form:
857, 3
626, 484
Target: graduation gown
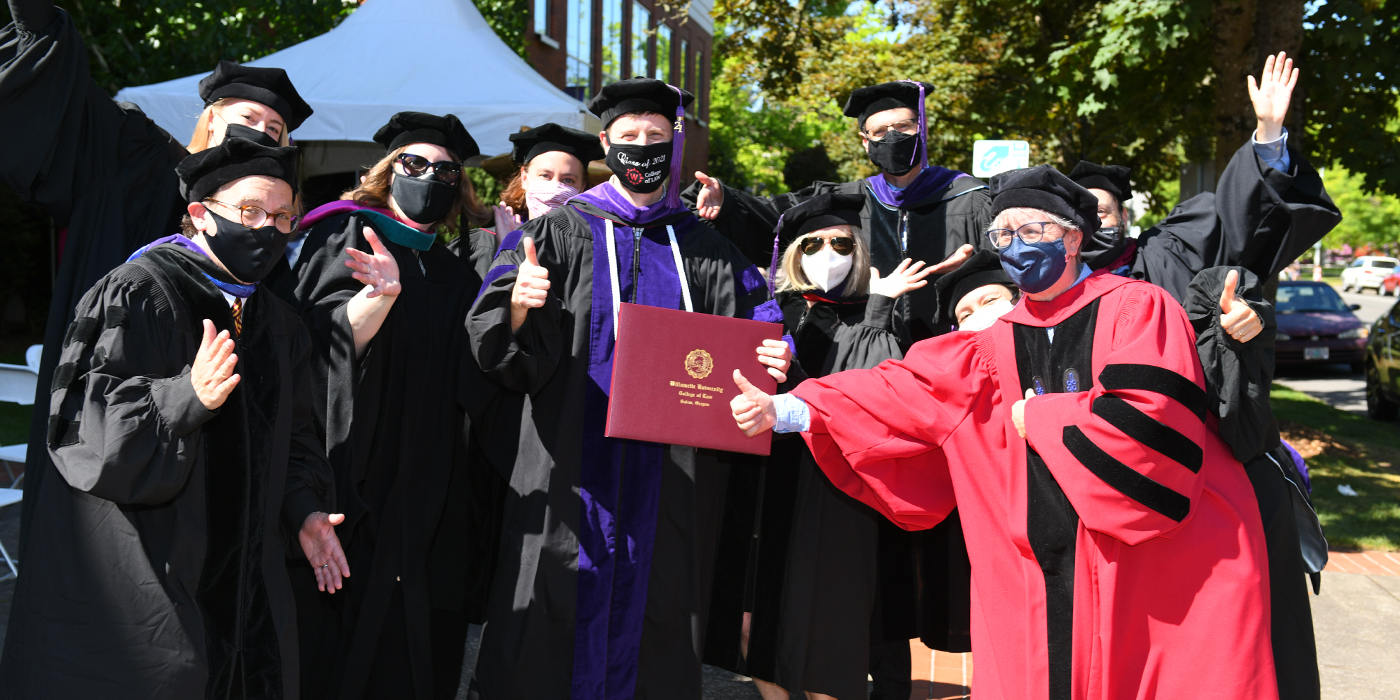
817, 559
602, 586
391, 420
1117, 551
100, 169
159, 561
926, 223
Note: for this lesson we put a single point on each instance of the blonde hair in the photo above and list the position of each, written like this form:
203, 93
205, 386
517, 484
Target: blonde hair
200, 140
373, 191
857, 280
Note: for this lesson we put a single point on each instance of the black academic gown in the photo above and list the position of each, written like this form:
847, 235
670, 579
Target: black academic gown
100, 169
816, 551
391, 420
159, 562
935, 227
528, 645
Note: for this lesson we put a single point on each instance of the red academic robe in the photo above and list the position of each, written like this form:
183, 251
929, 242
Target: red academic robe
1117, 551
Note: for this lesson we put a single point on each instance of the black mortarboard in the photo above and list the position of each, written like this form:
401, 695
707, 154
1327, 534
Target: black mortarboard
268, 86
878, 98
420, 127
205, 172
980, 270
553, 137
822, 211
1045, 188
638, 95
1112, 179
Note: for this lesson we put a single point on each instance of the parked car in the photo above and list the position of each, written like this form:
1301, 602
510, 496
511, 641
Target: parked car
1390, 286
1383, 366
1366, 272
1317, 327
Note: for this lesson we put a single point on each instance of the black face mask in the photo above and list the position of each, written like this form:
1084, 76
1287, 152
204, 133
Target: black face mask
425, 200
247, 132
896, 153
640, 169
247, 253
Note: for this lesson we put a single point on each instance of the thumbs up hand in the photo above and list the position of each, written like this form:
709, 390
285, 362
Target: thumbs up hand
531, 287
753, 410
1236, 317
1018, 413
711, 197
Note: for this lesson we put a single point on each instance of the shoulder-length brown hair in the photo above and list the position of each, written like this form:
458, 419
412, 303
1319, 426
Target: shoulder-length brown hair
373, 191
857, 280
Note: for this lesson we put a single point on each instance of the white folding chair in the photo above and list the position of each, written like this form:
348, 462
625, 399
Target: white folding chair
17, 385
9, 497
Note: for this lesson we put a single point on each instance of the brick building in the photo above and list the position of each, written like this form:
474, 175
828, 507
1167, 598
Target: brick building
581, 45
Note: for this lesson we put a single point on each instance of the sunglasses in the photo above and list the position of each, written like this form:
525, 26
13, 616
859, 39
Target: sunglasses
843, 245
417, 166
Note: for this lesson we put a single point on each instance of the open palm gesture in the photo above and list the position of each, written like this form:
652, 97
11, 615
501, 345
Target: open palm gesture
1271, 95
378, 271
905, 278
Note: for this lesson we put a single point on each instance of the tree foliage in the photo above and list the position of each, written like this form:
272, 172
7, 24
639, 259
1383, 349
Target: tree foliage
1367, 218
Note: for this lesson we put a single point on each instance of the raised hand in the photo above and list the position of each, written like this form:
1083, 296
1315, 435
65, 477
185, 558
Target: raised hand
322, 549
378, 271
905, 278
531, 287
212, 372
1271, 96
1018, 413
1236, 317
953, 262
753, 410
506, 219
777, 356
711, 197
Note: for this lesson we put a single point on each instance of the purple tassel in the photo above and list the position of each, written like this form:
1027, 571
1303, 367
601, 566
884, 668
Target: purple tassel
673, 189
923, 123
773, 266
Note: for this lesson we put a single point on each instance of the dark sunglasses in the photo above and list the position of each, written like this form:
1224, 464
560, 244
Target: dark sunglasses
417, 166
843, 245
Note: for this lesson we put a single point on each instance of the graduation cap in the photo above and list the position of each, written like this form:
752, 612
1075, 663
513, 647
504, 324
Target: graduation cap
980, 270
1045, 188
878, 98
638, 96
553, 137
205, 172
420, 127
1112, 179
268, 86
822, 211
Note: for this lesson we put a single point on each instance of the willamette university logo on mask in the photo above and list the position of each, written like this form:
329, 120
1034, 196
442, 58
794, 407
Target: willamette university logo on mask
634, 176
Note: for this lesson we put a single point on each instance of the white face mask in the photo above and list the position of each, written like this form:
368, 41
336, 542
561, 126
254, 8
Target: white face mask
826, 268
986, 316
544, 196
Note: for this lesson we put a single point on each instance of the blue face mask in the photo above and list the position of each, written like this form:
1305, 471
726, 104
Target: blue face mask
1034, 267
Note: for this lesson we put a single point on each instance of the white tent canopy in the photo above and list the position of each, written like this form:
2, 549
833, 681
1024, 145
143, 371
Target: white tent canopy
436, 56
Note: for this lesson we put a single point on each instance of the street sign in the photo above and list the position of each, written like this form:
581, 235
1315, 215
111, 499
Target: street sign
992, 157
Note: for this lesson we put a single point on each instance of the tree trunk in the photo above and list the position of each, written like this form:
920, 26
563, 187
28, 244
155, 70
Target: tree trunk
1246, 33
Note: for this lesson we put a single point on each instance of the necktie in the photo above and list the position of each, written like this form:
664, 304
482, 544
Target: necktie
237, 316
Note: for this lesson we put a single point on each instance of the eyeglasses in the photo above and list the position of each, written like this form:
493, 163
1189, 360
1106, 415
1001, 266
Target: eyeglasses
904, 126
1028, 233
255, 216
447, 171
843, 245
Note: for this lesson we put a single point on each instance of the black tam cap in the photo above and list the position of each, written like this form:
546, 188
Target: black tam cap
980, 270
637, 96
1112, 179
419, 127
553, 137
1045, 188
268, 86
822, 211
205, 172
878, 98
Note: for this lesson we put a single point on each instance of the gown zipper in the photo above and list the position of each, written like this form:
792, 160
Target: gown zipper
636, 262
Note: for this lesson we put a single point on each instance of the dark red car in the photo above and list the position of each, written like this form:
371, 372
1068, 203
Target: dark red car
1317, 327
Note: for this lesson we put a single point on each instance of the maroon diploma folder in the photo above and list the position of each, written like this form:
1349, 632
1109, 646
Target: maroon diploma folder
673, 377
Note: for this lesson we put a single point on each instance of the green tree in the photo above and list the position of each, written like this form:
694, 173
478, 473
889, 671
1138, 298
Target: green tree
1368, 218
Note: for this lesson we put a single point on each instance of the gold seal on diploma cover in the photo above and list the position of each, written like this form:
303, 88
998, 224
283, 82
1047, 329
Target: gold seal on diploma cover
699, 364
